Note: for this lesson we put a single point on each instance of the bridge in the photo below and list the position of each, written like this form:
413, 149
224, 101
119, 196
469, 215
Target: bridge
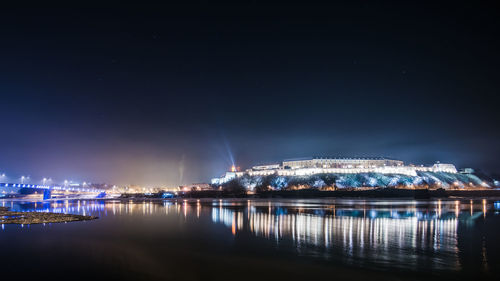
48, 191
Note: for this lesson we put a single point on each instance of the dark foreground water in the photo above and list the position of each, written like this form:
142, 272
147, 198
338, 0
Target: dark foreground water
334, 239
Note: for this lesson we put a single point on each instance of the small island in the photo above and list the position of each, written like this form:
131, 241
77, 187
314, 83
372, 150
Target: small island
11, 217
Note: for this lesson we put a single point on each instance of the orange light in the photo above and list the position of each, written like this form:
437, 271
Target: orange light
233, 168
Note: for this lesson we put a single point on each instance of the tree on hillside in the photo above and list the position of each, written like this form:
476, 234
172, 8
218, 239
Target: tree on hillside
264, 184
234, 187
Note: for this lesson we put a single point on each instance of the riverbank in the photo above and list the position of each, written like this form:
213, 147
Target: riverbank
366, 193
383, 193
11, 217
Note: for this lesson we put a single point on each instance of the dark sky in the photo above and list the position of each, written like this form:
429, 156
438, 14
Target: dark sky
159, 94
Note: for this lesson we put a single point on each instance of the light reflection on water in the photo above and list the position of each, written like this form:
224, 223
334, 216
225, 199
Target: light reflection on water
382, 236
412, 235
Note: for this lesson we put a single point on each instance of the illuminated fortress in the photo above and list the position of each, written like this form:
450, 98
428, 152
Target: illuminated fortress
355, 172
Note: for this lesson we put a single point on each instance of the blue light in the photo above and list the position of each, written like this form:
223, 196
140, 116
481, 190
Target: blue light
167, 195
496, 205
279, 182
394, 215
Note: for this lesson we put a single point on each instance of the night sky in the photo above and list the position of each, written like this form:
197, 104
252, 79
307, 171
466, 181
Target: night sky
146, 94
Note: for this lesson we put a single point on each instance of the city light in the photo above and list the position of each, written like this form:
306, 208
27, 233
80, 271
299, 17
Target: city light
353, 173
24, 178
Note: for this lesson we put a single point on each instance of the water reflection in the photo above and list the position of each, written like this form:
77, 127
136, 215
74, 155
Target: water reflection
381, 234
415, 235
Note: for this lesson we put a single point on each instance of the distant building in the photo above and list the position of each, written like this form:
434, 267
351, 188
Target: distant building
440, 167
225, 178
336, 162
466, 171
335, 165
266, 167
195, 186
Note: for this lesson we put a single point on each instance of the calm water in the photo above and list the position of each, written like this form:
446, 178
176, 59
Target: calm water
257, 240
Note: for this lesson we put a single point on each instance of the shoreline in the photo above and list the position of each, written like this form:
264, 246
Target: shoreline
381, 193
13, 217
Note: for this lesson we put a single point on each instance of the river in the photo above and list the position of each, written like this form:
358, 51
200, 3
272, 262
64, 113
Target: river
257, 239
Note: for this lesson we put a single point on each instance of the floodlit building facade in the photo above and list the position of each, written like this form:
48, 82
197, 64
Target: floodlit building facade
335, 165
340, 162
266, 167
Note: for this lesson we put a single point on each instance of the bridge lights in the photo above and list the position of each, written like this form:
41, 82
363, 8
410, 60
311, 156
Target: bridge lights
23, 178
